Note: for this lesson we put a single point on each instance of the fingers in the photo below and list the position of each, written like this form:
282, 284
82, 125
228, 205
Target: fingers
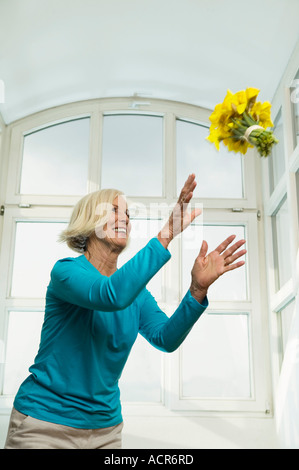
234, 266
230, 259
188, 188
230, 256
203, 250
195, 213
225, 244
227, 254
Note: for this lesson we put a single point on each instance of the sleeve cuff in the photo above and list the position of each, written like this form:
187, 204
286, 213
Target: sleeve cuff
195, 304
164, 251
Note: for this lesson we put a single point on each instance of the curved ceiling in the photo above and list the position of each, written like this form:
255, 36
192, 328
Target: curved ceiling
54, 52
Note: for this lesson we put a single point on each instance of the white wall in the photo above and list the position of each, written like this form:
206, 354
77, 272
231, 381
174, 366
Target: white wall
286, 377
287, 400
4, 419
190, 433
199, 433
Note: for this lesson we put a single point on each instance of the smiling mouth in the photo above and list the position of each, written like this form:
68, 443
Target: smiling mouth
120, 230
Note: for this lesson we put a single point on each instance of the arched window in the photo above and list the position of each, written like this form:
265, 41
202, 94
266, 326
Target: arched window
146, 150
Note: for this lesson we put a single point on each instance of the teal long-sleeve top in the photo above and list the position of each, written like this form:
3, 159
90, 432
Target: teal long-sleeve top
91, 323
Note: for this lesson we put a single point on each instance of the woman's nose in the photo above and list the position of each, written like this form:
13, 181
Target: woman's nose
123, 217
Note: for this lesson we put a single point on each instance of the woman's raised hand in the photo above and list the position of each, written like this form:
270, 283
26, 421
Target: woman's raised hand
208, 268
180, 217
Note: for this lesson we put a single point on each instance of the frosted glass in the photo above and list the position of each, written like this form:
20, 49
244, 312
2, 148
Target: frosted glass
133, 154
36, 252
55, 159
216, 358
142, 231
232, 285
282, 255
23, 339
295, 105
218, 174
276, 161
141, 378
286, 317
296, 119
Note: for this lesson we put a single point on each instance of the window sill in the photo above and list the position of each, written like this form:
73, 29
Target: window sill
156, 410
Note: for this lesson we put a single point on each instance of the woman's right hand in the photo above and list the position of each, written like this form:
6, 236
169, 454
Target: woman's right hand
180, 217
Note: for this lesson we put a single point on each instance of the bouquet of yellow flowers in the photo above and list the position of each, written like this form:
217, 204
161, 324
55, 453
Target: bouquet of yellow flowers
241, 122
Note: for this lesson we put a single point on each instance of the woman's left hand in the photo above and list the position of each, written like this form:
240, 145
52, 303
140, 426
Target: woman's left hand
208, 268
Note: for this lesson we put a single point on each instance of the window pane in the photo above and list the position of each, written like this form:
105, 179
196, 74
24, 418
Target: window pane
23, 338
218, 174
276, 161
55, 159
281, 244
231, 286
142, 231
133, 154
141, 378
286, 315
295, 105
36, 252
215, 357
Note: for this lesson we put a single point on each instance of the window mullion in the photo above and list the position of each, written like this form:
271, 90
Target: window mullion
169, 157
95, 150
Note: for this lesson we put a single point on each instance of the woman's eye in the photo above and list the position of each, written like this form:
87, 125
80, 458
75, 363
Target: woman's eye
115, 209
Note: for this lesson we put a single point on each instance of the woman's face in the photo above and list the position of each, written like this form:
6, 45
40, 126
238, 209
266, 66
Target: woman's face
118, 227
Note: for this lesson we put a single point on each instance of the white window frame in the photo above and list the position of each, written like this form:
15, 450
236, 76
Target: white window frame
53, 208
96, 110
260, 401
9, 303
279, 299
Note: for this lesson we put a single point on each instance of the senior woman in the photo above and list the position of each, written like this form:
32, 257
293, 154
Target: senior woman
93, 314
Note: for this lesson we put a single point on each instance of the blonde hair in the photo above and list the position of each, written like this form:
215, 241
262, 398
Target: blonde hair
91, 212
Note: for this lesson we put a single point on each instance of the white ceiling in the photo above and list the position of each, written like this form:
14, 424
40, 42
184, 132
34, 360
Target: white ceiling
58, 51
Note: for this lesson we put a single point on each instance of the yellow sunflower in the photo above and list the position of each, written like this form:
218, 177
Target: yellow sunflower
240, 123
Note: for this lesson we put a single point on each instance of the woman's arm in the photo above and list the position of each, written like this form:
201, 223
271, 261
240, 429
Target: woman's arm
168, 334
78, 282
164, 333
81, 285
